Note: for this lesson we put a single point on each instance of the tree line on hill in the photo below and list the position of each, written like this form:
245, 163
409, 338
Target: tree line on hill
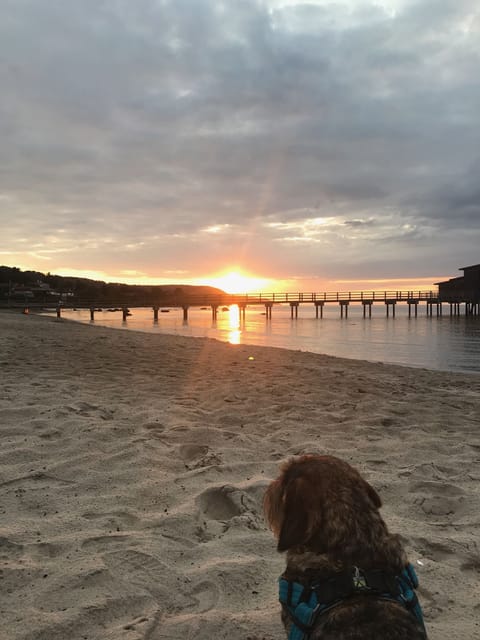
35, 286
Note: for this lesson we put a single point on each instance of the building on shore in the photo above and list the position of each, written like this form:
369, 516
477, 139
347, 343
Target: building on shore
465, 288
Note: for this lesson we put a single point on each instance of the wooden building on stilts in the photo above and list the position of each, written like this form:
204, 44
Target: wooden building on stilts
465, 289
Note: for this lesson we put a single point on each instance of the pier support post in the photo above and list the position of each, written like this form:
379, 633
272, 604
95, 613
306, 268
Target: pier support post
454, 308
388, 304
344, 306
124, 313
155, 314
214, 312
415, 303
242, 308
430, 304
268, 310
185, 313
319, 305
365, 304
59, 311
92, 314
293, 306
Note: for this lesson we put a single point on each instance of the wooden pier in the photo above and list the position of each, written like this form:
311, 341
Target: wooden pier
390, 299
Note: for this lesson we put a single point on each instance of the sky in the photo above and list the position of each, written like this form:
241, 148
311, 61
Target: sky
310, 145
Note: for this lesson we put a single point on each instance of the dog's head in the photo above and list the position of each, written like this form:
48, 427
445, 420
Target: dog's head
320, 502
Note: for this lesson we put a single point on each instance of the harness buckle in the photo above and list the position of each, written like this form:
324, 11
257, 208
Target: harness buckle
359, 580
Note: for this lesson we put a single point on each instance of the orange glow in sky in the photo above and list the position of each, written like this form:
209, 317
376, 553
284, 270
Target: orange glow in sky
238, 282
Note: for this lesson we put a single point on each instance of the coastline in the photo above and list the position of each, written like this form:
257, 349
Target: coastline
447, 343
134, 464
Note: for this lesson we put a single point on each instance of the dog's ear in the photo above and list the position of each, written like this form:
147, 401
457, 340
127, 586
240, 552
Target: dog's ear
372, 494
273, 505
296, 525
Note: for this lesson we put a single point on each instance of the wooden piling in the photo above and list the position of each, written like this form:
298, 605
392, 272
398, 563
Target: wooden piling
388, 304
344, 305
319, 305
365, 304
415, 303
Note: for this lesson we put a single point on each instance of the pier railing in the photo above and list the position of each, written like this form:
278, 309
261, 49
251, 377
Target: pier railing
242, 299
269, 300
338, 296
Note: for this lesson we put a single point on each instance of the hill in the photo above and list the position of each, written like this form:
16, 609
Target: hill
16, 284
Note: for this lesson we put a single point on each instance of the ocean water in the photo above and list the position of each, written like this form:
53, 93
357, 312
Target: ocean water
443, 343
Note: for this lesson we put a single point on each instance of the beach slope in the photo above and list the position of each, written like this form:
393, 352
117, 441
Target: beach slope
133, 468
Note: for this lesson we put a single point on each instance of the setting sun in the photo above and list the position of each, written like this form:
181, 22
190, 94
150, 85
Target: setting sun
237, 282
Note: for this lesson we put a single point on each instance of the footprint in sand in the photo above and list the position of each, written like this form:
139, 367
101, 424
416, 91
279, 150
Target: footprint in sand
9, 550
113, 518
154, 429
436, 551
144, 626
471, 564
437, 498
86, 409
189, 452
197, 456
223, 502
231, 506
141, 570
204, 596
101, 544
437, 506
45, 550
147, 573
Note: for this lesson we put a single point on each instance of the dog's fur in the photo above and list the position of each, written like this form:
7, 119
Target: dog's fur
326, 517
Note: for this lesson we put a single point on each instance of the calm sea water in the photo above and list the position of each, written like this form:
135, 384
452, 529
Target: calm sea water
444, 343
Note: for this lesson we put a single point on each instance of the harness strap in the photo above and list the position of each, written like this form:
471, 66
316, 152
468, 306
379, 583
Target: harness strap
306, 604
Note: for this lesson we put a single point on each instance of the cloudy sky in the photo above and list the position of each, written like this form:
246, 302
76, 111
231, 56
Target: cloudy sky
319, 143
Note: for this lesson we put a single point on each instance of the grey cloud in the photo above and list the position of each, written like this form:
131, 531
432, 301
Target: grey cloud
360, 223
156, 119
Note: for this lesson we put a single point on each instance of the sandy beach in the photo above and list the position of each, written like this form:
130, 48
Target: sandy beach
133, 468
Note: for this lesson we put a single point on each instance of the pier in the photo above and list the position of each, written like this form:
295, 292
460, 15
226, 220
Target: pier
432, 301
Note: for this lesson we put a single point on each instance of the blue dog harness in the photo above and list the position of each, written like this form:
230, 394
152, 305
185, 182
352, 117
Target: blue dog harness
306, 604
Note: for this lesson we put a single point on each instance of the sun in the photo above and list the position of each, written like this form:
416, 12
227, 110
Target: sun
237, 282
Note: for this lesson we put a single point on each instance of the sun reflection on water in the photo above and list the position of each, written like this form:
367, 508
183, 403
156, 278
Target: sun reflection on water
234, 333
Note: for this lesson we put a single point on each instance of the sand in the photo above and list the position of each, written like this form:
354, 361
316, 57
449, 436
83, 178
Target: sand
133, 468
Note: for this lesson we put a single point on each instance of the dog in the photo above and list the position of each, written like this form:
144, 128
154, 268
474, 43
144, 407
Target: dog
347, 577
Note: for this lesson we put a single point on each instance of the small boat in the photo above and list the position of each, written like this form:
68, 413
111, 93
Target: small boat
225, 309
164, 310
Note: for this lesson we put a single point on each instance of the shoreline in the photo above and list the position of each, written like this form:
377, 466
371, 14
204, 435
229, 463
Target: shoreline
303, 342
133, 471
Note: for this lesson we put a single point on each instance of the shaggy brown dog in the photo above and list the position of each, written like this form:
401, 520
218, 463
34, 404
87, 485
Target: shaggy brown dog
326, 516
